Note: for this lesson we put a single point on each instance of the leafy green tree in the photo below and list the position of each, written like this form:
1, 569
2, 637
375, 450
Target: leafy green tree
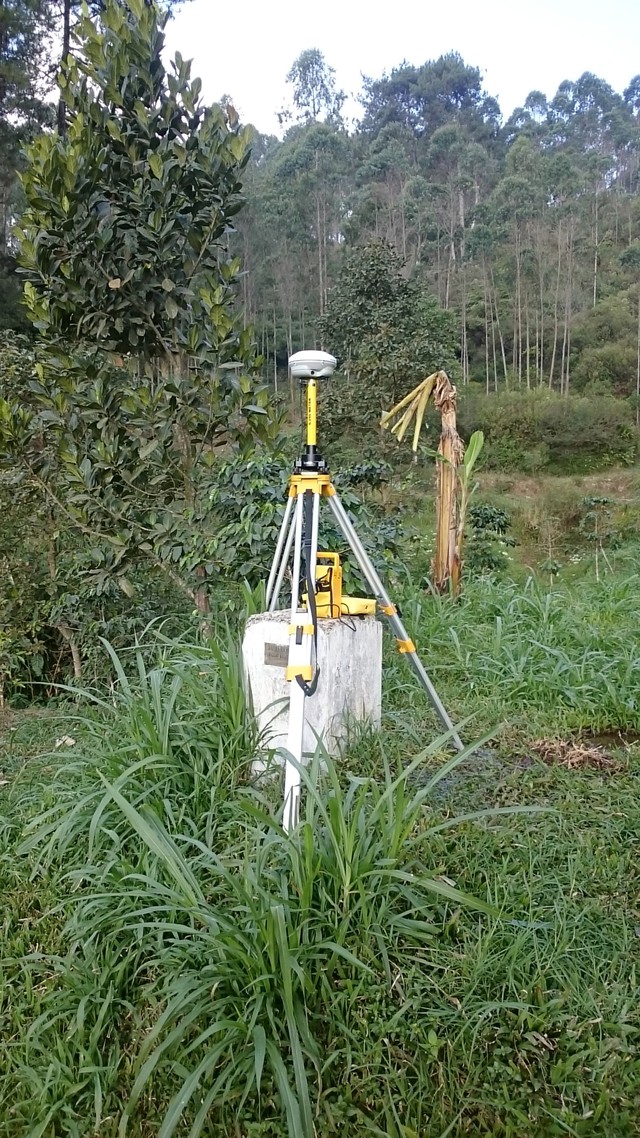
425, 98
388, 334
24, 58
314, 88
131, 285
123, 238
24, 29
68, 13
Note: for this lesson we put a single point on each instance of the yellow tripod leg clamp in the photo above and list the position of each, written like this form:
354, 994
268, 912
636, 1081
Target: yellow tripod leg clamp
406, 646
305, 671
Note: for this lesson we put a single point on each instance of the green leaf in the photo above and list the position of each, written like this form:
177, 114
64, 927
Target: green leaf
148, 448
171, 308
472, 453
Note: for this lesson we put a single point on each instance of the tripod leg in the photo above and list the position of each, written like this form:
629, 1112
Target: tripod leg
387, 606
277, 557
301, 640
275, 596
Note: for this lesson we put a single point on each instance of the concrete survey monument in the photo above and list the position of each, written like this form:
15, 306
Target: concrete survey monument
317, 667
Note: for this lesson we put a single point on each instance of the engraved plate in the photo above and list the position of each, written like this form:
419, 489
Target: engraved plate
277, 655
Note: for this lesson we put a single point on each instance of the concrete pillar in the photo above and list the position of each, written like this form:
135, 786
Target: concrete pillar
349, 688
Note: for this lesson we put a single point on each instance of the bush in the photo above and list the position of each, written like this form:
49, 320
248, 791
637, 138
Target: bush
488, 541
536, 430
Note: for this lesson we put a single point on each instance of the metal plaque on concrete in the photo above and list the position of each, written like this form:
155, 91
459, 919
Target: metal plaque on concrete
277, 655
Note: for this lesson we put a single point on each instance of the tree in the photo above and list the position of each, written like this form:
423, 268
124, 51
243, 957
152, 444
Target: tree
69, 14
314, 88
24, 40
123, 237
131, 285
425, 98
385, 330
24, 28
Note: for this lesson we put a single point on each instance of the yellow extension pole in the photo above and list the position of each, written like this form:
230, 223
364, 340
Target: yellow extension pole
312, 413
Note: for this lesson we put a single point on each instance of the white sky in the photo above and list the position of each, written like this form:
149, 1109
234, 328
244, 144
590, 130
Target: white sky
245, 49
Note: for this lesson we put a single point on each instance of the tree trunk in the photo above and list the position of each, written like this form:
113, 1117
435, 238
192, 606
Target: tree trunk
320, 260
465, 348
63, 627
638, 369
540, 357
66, 43
595, 250
446, 562
555, 309
486, 331
528, 346
517, 337
566, 333
65, 631
325, 276
500, 336
275, 354
203, 605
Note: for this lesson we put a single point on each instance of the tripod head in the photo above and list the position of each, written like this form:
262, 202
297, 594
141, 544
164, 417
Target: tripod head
309, 367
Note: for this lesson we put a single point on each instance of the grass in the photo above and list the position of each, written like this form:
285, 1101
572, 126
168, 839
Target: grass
444, 947
534, 658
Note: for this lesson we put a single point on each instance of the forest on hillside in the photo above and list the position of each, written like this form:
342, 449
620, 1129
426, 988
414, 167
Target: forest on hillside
526, 228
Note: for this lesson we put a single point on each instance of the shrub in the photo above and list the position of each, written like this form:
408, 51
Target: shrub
488, 541
540, 429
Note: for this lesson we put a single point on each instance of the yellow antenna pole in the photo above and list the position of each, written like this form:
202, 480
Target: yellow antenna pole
312, 413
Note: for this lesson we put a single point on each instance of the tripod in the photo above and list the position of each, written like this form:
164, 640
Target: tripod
310, 484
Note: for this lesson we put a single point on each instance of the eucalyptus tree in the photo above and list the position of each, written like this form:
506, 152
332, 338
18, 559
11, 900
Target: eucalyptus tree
314, 92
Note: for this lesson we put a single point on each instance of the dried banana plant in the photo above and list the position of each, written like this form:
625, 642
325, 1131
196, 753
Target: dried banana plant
446, 565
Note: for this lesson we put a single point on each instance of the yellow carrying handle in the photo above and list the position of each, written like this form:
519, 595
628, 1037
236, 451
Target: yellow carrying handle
329, 558
312, 413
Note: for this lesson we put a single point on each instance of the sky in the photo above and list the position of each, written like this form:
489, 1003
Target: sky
245, 49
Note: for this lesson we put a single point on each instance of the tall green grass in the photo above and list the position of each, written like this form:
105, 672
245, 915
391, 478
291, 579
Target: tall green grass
564, 658
203, 951
415, 960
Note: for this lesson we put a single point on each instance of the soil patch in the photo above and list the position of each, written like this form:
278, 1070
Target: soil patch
616, 740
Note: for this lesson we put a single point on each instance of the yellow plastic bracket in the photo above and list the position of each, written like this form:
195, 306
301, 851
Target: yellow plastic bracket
307, 629
305, 671
317, 483
406, 646
389, 610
